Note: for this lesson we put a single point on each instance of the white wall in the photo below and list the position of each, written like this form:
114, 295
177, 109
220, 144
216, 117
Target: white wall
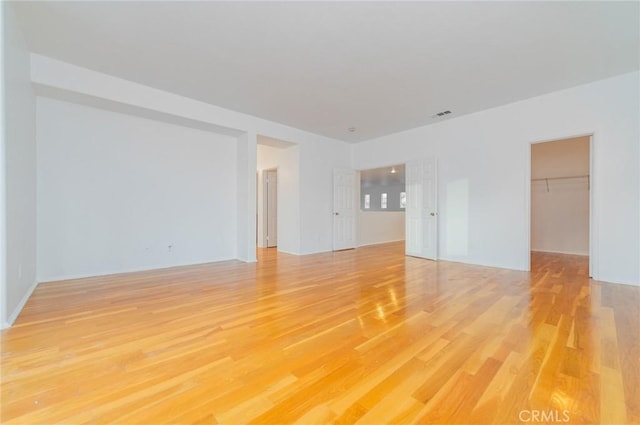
376, 227
118, 193
484, 160
285, 159
316, 194
19, 171
560, 196
245, 196
3, 208
317, 155
560, 216
483, 157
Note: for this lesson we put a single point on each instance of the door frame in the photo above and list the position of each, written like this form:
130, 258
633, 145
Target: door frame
593, 240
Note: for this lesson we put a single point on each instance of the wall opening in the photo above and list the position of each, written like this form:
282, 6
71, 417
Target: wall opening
381, 212
277, 195
561, 197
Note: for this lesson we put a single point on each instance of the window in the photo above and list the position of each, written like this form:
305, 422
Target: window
367, 201
383, 200
403, 199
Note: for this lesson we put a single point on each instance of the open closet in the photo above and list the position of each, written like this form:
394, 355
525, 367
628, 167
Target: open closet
560, 199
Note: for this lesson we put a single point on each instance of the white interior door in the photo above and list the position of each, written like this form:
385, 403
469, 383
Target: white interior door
344, 209
421, 212
272, 208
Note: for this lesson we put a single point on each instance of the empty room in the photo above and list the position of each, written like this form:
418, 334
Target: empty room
320, 212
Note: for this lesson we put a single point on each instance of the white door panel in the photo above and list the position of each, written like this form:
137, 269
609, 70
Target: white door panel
344, 209
421, 212
272, 208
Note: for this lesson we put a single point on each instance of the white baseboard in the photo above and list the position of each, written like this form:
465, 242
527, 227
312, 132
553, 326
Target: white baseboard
380, 243
476, 263
59, 278
284, 251
12, 318
331, 250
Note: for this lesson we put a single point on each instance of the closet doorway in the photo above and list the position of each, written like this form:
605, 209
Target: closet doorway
561, 197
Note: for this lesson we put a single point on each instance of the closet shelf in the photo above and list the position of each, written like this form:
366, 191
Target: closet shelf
546, 179
559, 178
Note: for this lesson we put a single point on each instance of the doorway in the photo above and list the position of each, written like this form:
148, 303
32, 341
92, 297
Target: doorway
381, 209
413, 204
560, 214
278, 215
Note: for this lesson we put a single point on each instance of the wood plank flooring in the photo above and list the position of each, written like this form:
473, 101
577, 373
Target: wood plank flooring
366, 336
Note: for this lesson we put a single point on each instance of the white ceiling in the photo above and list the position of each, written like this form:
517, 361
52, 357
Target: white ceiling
380, 67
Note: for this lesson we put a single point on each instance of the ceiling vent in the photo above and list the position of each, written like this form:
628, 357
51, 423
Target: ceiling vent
441, 114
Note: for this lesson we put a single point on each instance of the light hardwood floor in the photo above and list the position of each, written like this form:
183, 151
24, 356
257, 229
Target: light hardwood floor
365, 336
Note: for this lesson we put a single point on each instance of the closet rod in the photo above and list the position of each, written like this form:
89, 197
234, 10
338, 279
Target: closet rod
546, 180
